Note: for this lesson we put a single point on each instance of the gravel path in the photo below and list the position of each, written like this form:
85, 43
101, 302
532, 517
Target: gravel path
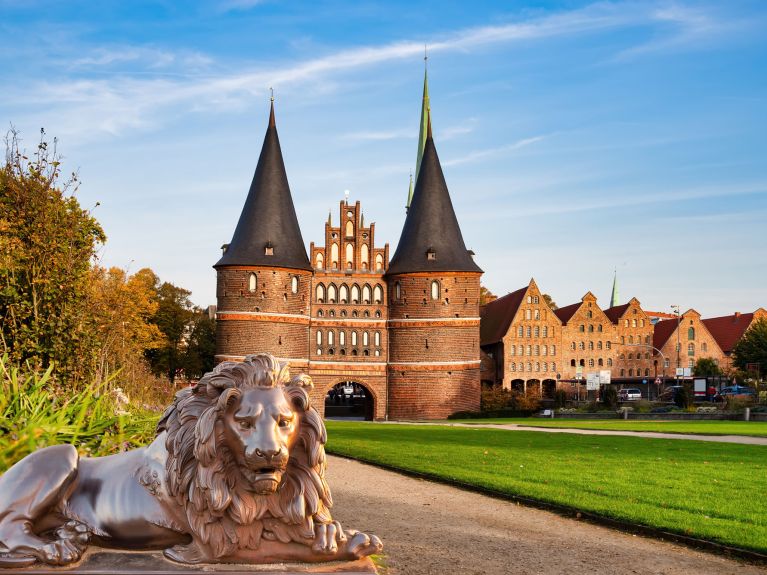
744, 439
429, 528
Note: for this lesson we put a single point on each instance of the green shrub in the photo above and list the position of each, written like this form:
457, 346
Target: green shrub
560, 398
683, 398
610, 397
33, 415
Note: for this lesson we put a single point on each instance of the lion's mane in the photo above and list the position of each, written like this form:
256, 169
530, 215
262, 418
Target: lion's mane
202, 475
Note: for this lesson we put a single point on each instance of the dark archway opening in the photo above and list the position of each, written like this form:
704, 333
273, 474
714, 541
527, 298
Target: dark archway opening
349, 400
549, 388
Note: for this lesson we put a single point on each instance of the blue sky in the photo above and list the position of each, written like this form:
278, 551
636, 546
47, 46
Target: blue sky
576, 137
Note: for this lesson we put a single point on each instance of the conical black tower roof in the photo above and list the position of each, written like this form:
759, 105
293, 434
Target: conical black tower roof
431, 239
268, 219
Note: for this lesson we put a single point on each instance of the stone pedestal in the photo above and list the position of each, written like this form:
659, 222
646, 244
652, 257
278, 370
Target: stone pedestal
101, 562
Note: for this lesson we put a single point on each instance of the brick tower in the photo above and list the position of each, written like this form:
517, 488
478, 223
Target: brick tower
433, 288
264, 276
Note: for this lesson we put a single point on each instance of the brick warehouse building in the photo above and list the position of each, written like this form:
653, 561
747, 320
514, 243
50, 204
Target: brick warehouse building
405, 331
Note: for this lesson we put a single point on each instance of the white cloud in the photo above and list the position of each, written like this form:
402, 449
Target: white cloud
482, 154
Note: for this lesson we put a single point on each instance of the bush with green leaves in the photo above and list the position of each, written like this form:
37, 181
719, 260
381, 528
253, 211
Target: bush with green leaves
95, 419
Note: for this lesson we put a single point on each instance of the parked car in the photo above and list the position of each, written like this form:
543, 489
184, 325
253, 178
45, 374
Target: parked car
738, 391
629, 394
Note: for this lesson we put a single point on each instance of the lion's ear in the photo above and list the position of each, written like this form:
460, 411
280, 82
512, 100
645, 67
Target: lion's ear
227, 398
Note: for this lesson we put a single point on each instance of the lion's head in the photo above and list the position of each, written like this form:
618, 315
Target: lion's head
246, 455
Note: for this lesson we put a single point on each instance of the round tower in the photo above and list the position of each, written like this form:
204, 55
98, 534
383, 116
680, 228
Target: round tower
263, 281
433, 286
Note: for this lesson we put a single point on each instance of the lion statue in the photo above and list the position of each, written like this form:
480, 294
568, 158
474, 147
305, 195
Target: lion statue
236, 474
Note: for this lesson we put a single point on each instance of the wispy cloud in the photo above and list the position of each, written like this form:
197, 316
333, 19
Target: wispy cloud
132, 101
478, 155
379, 135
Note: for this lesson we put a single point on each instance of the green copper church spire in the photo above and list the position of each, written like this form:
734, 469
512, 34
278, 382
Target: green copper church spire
614, 297
425, 111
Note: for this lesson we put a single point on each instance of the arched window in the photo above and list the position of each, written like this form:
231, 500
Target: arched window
341, 338
379, 262
623, 372
435, 289
609, 362
529, 366
545, 350
599, 328
537, 350
378, 294
625, 323
631, 339
600, 363
528, 314
377, 338
591, 345
320, 293
294, 284
355, 293
591, 363
513, 366
364, 254
581, 328
366, 294
591, 328
537, 331
520, 331
545, 331
334, 255
631, 356
319, 337
537, 366
349, 229
397, 290
319, 260
690, 349
545, 366
581, 345
349, 255
608, 345
319, 313
537, 314
521, 350
704, 347
599, 345
641, 323
330, 338
691, 333
633, 323
365, 338
647, 369
553, 351
528, 331
332, 293
378, 313
354, 338
343, 294
252, 282
589, 314
513, 350
572, 345
631, 372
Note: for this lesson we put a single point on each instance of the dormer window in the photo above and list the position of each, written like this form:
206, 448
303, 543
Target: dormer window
268, 249
224, 248
431, 255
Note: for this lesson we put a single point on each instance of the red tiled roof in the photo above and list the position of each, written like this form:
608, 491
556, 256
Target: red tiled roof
663, 331
565, 313
615, 313
496, 316
727, 330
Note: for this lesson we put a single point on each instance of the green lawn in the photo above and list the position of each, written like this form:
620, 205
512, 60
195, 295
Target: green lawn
712, 491
710, 427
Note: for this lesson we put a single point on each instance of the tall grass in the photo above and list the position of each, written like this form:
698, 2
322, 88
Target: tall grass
33, 416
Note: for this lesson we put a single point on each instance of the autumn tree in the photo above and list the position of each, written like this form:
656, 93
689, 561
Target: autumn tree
47, 242
551, 303
199, 356
173, 318
752, 347
486, 296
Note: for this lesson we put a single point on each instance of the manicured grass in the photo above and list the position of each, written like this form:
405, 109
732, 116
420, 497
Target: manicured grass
711, 491
710, 427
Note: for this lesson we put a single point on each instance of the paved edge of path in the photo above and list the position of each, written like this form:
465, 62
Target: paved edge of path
740, 439
573, 513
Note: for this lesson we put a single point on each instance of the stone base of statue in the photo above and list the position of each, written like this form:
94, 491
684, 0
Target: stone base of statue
103, 562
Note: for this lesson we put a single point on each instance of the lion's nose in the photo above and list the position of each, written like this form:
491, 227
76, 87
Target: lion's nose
268, 454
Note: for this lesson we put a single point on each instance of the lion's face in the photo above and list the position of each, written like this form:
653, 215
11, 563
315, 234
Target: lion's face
260, 428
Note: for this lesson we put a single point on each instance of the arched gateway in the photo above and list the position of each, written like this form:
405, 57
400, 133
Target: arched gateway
349, 400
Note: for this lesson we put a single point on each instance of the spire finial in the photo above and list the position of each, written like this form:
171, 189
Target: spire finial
425, 56
272, 123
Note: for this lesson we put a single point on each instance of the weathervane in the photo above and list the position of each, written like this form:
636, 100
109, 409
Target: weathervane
272, 92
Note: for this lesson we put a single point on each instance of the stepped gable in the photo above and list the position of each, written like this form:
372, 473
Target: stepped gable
267, 232
431, 225
496, 316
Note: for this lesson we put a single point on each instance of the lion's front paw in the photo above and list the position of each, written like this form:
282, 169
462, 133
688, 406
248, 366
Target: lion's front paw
327, 536
361, 544
189, 554
60, 552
